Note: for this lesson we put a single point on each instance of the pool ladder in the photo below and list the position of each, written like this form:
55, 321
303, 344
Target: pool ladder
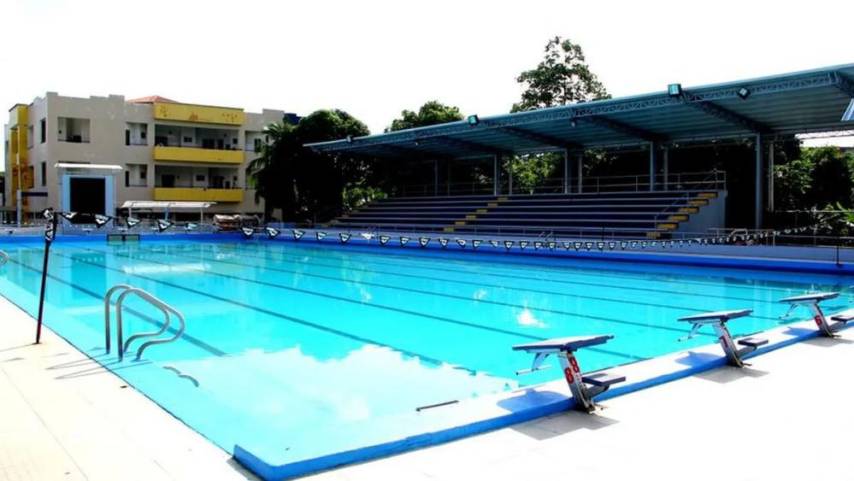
4, 258
166, 309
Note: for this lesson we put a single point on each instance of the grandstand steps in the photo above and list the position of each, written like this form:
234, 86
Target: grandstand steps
619, 214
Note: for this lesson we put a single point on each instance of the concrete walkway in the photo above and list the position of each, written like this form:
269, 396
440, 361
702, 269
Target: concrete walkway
786, 417
62, 417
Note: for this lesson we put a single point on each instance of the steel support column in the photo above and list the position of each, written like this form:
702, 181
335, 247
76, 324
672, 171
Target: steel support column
665, 160
510, 176
496, 185
565, 171
579, 166
770, 181
652, 166
758, 177
435, 177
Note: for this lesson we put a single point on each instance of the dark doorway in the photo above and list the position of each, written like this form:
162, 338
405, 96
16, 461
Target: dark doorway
167, 180
87, 197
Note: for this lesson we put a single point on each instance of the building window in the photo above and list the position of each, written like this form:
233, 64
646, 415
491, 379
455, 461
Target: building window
72, 130
258, 145
200, 178
188, 140
43, 130
44, 171
136, 175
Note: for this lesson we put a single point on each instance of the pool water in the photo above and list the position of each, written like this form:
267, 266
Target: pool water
308, 349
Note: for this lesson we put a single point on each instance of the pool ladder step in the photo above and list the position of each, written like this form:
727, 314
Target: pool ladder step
123, 345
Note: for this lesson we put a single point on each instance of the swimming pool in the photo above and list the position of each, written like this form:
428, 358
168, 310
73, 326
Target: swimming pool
299, 350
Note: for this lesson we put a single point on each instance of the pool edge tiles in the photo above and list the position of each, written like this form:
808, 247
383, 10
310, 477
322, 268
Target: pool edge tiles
476, 416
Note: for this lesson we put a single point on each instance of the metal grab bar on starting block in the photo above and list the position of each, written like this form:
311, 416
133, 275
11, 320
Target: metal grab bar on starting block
735, 350
812, 301
584, 387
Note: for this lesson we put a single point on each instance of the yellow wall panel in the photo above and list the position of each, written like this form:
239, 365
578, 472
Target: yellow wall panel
199, 114
198, 194
191, 154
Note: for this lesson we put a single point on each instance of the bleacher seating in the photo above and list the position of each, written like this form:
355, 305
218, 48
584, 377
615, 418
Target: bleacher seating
622, 214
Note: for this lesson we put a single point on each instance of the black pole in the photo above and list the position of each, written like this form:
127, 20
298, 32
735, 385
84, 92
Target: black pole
49, 235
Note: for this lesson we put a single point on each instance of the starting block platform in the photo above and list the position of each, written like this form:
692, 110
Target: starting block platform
584, 387
828, 327
734, 349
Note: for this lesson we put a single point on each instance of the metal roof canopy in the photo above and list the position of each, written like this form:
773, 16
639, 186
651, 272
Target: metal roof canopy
792, 103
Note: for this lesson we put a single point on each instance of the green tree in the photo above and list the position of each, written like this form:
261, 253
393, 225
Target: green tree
820, 176
302, 183
431, 113
562, 77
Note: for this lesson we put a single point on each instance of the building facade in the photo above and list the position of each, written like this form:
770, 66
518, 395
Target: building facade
93, 154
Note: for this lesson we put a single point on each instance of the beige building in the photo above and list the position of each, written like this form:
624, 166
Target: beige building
93, 154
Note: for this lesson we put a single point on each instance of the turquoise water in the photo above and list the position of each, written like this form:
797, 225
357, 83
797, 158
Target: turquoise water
307, 349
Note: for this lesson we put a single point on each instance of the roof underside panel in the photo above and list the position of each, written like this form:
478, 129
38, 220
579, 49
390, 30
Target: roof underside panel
801, 102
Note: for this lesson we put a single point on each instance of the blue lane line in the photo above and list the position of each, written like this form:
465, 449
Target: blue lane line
500, 274
284, 258
192, 340
295, 320
391, 308
415, 291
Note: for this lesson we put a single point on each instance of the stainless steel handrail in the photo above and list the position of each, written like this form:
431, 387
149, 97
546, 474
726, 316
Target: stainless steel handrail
4, 258
166, 309
107, 298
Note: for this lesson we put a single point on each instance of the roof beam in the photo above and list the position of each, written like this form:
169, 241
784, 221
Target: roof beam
412, 153
545, 139
622, 128
843, 84
725, 114
474, 147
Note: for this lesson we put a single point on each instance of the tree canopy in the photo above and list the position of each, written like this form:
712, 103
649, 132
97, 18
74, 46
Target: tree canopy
431, 113
562, 77
301, 182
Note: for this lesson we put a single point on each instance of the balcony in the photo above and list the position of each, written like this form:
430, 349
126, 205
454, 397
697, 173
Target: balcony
198, 114
195, 154
198, 194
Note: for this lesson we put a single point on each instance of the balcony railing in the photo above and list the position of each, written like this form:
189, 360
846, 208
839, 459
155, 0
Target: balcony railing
197, 154
198, 194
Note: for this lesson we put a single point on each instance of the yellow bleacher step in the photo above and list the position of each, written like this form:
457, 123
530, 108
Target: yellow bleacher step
689, 210
707, 195
481, 211
502, 199
471, 217
653, 235
448, 229
460, 222
698, 202
667, 226
492, 204
677, 218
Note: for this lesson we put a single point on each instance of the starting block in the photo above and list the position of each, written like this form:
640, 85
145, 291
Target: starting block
827, 327
584, 387
735, 350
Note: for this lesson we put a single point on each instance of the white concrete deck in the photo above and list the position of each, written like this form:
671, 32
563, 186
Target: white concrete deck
64, 418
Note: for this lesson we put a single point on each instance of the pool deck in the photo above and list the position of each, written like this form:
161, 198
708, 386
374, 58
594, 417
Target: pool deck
65, 418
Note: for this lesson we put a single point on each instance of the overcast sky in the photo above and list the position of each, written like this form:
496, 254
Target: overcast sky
374, 58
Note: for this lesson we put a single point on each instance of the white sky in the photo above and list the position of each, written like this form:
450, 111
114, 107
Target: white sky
374, 58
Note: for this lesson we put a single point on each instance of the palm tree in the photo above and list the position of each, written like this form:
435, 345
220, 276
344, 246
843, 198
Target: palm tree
272, 173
